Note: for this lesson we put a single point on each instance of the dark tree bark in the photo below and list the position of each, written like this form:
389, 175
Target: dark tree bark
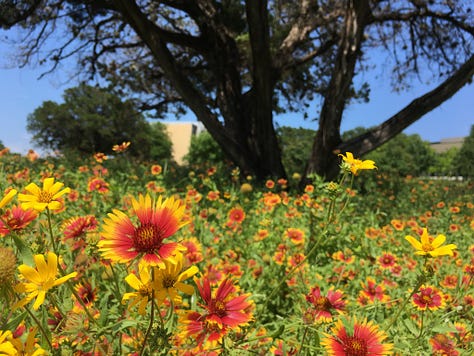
322, 160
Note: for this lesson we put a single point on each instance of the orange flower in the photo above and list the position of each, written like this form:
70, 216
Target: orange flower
356, 338
156, 169
295, 235
123, 240
428, 298
121, 148
236, 215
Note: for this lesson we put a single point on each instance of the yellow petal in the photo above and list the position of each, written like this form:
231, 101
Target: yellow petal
185, 288
32, 188
39, 299
30, 274
438, 241
7, 198
61, 280
47, 184
191, 271
425, 238
133, 281
414, 242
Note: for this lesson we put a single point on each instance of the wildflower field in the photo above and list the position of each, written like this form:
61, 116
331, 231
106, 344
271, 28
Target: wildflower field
118, 258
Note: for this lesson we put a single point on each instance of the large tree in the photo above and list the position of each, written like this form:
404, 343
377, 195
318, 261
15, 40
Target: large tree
93, 120
234, 63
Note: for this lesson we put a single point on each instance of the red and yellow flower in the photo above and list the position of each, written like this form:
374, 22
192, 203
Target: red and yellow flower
356, 338
428, 297
324, 307
124, 241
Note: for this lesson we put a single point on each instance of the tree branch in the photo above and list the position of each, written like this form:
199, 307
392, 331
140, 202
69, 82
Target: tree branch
412, 112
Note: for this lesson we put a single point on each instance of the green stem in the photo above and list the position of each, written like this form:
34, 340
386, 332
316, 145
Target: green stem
152, 315
40, 326
419, 283
51, 235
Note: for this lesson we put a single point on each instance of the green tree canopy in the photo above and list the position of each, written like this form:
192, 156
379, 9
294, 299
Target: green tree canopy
295, 144
93, 120
404, 155
465, 158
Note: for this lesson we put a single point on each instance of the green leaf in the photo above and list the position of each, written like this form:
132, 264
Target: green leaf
25, 253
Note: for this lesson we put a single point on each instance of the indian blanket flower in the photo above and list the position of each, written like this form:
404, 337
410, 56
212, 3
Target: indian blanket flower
361, 339
428, 297
323, 307
387, 260
354, 165
78, 226
7, 198
123, 240
98, 185
442, 345
143, 286
224, 310
169, 281
40, 279
373, 291
16, 219
295, 235
41, 198
121, 148
6, 347
432, 247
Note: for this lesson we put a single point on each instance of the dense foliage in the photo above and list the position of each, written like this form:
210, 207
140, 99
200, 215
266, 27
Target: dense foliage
265, 270
465, 158
91, 120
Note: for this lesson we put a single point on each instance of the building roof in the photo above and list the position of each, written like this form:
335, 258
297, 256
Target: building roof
446, 143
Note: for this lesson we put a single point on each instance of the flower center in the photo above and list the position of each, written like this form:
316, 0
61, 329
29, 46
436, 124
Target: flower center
427, 247
426, 299
147, 238
355, 347
219, 307
45, 197
322, 303
168, 282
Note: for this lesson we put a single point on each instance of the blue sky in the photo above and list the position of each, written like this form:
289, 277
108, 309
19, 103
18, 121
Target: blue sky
21, 92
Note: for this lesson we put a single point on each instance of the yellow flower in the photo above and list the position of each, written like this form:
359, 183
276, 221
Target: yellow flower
433, 248
7, 198
143, 287
6, 347
40, 199
40, 279
169, 281
355, 165
30, 347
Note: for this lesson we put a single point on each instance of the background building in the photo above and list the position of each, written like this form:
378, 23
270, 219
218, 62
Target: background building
180, 134
447, 143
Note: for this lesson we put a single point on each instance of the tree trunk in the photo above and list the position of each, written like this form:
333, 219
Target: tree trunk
323, 160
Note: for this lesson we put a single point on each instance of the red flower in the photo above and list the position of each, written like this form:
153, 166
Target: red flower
362, 339
374, 291
16, 219
224, 310
387, 260
236, 215
428, 298
324, 307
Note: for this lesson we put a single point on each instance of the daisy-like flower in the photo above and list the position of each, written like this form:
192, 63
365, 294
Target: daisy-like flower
156, 169
428, 297
8, 198
98, 185
169, 281
387, 260
78, 226
432, 247
354, 165
324, 307
6, 347
122, 147
373, 290
236, 215
40, 279
41, 198
16, 219
224, 310
361, 339
143, 286
295, 235
442, 345
123, 241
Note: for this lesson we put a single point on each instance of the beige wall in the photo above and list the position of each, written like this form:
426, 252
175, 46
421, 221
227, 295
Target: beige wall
180, 134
